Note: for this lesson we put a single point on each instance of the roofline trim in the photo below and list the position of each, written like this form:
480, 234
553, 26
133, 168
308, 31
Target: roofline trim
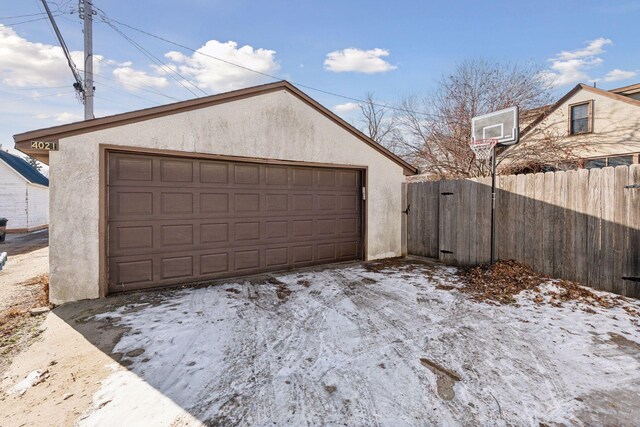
635, 86
572, 92
63, 131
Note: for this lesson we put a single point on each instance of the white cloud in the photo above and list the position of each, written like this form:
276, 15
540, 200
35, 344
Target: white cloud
360, 61
24, 63
595, 47
570, 67
346, 107
64, 117
219, 76
617, 75
133, 79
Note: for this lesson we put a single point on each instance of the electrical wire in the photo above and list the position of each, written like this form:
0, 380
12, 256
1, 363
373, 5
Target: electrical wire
38, 96
158, 62
128, 93
22, 16
13, 24
271, 76
33, 88
144, 87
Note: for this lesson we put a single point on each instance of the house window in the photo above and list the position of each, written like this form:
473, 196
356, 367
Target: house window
620, 161
580, 119
609, 161
595, 163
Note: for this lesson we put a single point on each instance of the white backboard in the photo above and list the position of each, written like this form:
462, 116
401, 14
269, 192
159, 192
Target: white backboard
501, 125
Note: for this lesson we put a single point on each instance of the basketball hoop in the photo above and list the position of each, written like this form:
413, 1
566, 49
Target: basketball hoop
483, 148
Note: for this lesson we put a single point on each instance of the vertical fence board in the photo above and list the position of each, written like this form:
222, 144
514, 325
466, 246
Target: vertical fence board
632, 250
537, 238
448, 222
548, 225
528, 237
581, 194
619, 228
567, 251
519, 242
500, 226
607, 229
461, 231
434, 201
509, 216
559, 193
483, 228
593, 228
473, 221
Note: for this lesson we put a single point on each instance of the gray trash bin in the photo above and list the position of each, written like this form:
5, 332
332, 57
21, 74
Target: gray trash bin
3, 228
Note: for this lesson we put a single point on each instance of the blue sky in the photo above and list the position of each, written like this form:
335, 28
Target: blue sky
393, 49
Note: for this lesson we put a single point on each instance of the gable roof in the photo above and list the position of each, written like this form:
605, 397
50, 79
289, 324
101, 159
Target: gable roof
23, 140
572, 92
21, 166
627, 90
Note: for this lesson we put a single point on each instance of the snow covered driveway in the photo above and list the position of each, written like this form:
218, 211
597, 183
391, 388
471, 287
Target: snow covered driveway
358, 345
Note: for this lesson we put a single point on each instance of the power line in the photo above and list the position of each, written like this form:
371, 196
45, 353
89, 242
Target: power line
153, 58
150, 89
129, 93
38, 96
74, 70
116, 102
22, 16
34, 88
390, 107
13, 24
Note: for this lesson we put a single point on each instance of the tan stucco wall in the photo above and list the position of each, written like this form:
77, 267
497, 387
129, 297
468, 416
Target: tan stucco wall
616, 127
277, 125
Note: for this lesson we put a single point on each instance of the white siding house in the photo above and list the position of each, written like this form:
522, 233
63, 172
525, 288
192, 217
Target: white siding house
24, 195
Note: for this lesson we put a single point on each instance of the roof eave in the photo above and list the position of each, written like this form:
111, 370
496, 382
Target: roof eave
23, 140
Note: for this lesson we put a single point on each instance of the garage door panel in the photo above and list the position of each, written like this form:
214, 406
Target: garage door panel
176, 204
210, 264
214, 203
136, 169
177, 267
176, 171
276, 176
177, 220
214, 233
174, 235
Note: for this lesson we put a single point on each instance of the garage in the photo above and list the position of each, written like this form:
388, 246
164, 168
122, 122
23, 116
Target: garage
245, 182
175, 220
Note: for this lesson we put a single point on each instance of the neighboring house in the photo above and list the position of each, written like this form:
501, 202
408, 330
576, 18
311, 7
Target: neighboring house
601, 128
24, 194
255, 180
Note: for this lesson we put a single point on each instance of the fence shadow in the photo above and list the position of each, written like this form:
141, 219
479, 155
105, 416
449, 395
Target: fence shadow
579, 225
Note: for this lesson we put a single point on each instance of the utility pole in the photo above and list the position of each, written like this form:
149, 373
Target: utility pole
85, 9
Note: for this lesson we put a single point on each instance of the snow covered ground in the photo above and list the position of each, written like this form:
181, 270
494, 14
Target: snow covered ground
351, 345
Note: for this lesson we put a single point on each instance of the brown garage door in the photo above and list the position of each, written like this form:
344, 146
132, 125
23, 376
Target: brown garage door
177, 220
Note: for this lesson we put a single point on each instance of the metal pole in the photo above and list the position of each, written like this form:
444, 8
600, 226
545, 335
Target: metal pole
88, 59
493, 201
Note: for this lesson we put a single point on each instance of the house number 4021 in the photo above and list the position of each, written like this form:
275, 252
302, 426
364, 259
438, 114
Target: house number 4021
41, 145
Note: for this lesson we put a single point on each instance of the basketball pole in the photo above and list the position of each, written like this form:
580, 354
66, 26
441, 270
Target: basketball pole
493, 201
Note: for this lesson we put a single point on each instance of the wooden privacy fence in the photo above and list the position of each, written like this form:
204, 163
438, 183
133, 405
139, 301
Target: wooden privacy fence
581, 225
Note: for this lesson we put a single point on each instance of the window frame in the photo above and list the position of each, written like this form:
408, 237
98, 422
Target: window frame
589, 105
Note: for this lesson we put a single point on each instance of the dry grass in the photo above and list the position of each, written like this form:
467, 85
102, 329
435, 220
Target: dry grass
17, 326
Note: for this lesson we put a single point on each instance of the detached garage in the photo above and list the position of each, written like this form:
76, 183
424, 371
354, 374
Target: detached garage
256, 180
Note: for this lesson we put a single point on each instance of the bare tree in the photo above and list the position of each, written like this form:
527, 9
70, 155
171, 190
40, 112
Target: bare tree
379, 123
436, 130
